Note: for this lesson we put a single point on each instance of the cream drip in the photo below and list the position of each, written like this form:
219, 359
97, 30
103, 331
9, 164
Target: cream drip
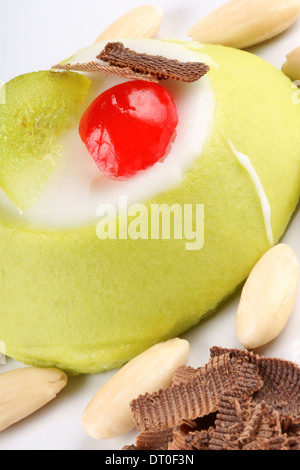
266, 208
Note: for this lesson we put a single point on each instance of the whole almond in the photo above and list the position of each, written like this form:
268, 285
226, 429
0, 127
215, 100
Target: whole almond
24, 391
141, 22
268, 297
109, 414
245, 23
291, 67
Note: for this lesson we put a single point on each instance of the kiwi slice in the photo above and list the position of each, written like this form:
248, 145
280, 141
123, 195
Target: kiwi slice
38, 106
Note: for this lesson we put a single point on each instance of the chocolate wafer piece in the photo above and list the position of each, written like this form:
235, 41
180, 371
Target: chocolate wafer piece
188, 401
160, 67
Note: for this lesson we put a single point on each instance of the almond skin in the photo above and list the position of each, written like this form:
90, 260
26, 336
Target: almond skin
245, 23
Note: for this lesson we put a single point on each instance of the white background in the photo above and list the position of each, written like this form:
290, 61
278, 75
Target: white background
36, 34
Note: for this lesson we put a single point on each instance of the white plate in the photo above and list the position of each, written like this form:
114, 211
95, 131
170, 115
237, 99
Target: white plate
35, 35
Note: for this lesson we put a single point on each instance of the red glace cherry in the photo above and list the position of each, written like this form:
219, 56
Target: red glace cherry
129, 127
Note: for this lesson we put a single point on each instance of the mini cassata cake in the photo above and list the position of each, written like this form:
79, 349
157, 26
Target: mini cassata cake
73, 143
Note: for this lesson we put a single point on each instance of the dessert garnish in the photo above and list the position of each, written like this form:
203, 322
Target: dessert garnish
129, 127
126, 63
107, 70
237, 401
158, 66
38, 107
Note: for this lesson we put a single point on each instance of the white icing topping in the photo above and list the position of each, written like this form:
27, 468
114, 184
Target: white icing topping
76, 187
266, 208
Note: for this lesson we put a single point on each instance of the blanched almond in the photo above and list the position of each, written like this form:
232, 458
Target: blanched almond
291, 67
268, 297
245, 23
141, 22
109, 414
24, 391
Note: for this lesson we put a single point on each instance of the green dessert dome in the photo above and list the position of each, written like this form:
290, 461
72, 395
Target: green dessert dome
84, 304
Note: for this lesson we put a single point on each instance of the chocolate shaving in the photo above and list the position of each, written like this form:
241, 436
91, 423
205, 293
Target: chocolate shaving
92, 67
190, 440
184, 374
159, 67
188, 401
291, 426
153, 440
233, 414
281, 387
131, 447
293, 440
128, 64
281, 381
237, 401
193, 435
264, 424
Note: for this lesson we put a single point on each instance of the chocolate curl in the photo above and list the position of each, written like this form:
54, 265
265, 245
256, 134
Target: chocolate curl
107, 70
183, 374
185, 439
155, 66
256, 402
232, 417
200, 397
154, 440
263, 429
281, 381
